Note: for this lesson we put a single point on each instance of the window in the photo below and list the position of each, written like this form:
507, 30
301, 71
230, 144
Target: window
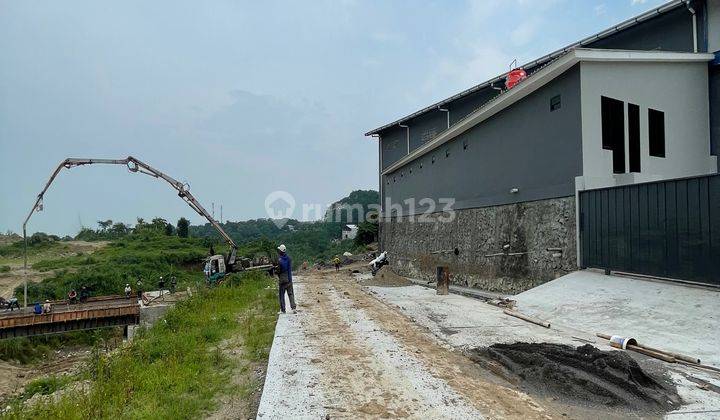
612, 115
656, 132
447, 152
634, 137
420, 165
433, 160
465, 144
555, 103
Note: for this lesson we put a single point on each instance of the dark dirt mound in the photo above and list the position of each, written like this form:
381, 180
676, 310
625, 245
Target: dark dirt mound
584, 374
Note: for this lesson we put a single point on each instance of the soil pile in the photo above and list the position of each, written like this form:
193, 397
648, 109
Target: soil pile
584, 374
385, 277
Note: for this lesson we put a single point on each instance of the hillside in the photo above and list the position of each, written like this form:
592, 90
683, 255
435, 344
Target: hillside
353, 208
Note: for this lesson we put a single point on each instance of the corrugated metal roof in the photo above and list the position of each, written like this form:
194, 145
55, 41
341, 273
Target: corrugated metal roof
542, 60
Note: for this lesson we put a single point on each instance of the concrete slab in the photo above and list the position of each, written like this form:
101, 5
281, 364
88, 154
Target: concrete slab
291, 380
665, 315
671, 316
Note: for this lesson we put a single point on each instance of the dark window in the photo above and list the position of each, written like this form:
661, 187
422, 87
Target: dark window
447, 152
433, 159
612, 114
465, 144
555, 103
656, 132
421, 166
634, 137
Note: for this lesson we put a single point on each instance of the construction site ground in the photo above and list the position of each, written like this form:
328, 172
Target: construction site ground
361, 349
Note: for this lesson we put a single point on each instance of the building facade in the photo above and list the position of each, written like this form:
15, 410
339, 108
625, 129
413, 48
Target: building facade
636, 103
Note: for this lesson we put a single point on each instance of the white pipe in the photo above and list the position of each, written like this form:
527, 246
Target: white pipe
694, 23
408, 136
448, 115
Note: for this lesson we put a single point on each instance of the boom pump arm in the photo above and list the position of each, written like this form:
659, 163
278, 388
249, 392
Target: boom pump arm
136, 166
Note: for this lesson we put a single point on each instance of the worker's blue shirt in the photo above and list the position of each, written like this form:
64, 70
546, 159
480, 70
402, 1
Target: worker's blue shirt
285, 266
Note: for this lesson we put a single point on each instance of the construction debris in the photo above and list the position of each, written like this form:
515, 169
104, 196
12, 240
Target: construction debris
632, 344
524, 317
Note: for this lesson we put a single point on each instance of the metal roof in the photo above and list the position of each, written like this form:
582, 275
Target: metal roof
585, 41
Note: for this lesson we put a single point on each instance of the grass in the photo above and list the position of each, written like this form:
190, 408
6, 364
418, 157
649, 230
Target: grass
45, 386
175, 369
148, 255
28, 350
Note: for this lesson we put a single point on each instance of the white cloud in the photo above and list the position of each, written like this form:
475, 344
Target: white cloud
524, 32
634, 2
600, 9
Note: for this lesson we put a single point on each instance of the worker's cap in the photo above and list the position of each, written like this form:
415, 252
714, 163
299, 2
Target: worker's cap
282, 248
47, 300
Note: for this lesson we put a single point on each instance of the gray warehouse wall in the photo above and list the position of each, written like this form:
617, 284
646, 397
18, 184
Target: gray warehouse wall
393, 142
425, 127
525, 146
671, 31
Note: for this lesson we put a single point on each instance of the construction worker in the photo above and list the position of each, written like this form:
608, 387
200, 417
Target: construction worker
173, 284
72, 296
336, 261
13, 303
47, 307
284, 272
128, 290
84, 294
139, 285
161, 285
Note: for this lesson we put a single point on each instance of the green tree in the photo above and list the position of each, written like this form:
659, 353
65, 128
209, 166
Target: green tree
105, 224
183, 226
119, 229
367, 233
169, 230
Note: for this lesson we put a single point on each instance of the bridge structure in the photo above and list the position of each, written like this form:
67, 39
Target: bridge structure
96, 312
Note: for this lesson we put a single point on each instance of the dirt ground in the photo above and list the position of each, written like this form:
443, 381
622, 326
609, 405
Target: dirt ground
15, 376
347, 354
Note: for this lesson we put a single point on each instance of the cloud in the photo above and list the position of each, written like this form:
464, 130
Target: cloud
600, 9
524, 32
634, 2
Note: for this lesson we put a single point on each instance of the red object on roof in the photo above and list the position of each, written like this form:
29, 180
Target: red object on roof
514, 77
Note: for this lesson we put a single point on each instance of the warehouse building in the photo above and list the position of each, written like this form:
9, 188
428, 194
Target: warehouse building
541, 174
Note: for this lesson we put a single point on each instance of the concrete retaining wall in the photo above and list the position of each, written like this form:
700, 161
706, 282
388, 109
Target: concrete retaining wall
542, 233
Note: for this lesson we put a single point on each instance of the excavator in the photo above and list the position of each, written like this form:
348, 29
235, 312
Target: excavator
216, 266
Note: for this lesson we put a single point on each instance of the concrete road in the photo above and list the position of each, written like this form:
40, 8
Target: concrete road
347, 354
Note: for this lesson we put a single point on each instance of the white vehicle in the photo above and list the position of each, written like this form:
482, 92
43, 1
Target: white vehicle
379, 262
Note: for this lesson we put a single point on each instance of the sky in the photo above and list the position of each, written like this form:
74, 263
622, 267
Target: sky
239, 98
